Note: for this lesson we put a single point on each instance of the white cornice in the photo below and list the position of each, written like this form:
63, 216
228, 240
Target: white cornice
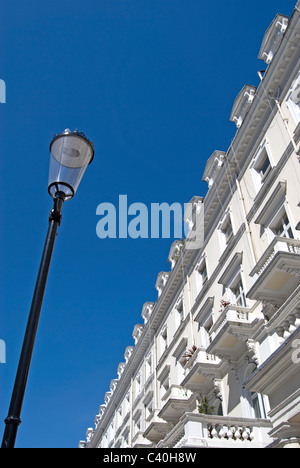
277, 79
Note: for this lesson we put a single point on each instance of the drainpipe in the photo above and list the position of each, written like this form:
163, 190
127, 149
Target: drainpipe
248, 230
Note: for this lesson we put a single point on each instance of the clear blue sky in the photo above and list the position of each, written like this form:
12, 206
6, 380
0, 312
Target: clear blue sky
152, 83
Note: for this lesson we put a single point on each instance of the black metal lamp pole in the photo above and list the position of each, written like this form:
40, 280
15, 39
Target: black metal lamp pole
13, 419
71, 153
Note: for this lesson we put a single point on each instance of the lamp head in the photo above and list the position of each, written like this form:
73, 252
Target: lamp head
70, 154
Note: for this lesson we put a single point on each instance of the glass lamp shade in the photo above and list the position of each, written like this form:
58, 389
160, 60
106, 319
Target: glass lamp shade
70, 154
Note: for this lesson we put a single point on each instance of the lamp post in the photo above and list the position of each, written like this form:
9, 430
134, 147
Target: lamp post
70, 154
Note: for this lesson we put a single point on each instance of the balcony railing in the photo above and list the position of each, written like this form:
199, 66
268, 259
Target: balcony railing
156, 428
231, 313
279, 244
276, 275
198, 371
199, 430
200, 357
176, 402
234, 327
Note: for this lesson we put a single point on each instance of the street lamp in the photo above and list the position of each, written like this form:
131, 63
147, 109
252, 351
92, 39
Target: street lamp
70, 154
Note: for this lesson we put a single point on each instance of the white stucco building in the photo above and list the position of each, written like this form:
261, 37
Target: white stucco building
226, 323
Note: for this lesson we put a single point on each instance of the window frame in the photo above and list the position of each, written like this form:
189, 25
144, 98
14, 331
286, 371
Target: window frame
179, 310
293, 107
258, 405
163, 339
280, 219
138, 384
164, 380
237, 291
272, 212
233, 276
202, 272
148, 366
259, 163
225, 225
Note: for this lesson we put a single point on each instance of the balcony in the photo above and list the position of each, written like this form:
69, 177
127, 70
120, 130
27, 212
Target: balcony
233, 329
277, 273
279, 375
202, 431
177, 401
286, 319
278, 378
200, 372
139, 441
157, 428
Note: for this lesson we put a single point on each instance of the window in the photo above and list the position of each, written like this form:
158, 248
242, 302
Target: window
281, 225
225, 229
179, 312
126, 438
148, 366
264, 167
138, 384
137, 422
180, 358
202, 274
293, 101
165, 383
258, 403
206, 331
237, 292
258, 406
119, 416
149, 410
261, 165
164, 379
275, 217
148, 402
205, 322
127, 403
111, 430
232, 280
164, 339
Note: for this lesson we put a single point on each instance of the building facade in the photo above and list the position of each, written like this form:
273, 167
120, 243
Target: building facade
216, 361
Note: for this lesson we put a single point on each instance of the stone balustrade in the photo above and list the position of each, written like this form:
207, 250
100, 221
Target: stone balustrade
201, 430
